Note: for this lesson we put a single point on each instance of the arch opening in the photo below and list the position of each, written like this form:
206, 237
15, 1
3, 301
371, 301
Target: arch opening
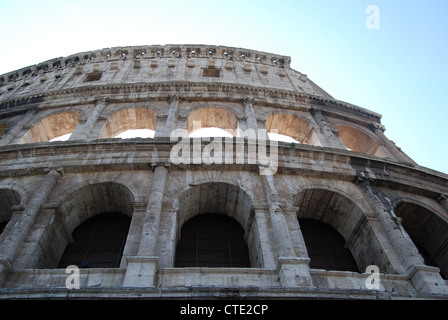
136, 133
64, 137
56, 127
357, 140
326, 247
210, 132
8, 199
281, 137
98, 242
3, 226
428, 232
212, 240
212, 118
228, 210
348, 220
142, 119
110, 202
94, 199
290, 128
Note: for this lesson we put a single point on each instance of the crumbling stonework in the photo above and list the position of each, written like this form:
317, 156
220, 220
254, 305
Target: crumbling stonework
342, 170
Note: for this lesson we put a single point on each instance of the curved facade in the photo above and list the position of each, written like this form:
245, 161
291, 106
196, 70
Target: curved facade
207, 217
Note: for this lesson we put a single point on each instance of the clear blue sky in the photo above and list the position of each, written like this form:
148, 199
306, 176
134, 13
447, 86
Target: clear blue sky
398, 70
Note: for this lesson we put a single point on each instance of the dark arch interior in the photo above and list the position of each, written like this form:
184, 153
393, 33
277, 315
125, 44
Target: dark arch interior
3, 226
8, 199
212, 240
325, 247
98, 242
428, 232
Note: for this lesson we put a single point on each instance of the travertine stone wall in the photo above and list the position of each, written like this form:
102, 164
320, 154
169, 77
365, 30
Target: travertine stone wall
342, 171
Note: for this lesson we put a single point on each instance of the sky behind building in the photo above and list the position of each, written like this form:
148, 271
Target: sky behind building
398, 68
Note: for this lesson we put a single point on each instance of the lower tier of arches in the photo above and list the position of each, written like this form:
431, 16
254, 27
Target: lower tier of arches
377, 225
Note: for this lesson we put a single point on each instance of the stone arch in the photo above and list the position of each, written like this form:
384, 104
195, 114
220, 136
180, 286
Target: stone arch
91, 201
291, 126
420, 201
215, 197
428, 231
348, 219
129, 119
195, 179
211, 117
18, 191
359, 140
221, 199
76, 183
95, 198
52, 126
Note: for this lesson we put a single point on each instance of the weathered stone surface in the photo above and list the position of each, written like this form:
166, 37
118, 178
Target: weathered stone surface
341, 170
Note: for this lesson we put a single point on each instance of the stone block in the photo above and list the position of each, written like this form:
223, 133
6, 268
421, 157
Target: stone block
141, 271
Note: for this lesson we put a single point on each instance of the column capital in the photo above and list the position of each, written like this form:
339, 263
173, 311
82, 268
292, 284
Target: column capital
155, 164
59, 171
314, 111
101, 100
174, 98
33, 110
362, 177
155, 161
374, 127
247, 100
443, 201
139, 206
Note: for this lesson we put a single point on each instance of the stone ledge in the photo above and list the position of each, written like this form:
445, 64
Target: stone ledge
209, 293
26, 159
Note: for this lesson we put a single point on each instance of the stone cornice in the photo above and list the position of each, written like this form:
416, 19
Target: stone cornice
190, 91
150, 52
304, 160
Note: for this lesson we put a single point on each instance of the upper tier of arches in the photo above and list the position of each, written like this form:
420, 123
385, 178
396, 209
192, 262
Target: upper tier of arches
225, 120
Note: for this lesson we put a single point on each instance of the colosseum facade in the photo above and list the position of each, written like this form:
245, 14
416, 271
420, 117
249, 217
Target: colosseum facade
338, 211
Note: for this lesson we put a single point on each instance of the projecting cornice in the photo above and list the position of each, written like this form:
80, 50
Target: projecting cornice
302, 160
191, 91
150, 52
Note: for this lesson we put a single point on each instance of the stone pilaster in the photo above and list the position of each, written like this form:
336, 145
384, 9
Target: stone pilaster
251, 120
12, 243
142, 269
424, 278
23, 123
293, 271
151, 223
328, 138
83, 132
171, 120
